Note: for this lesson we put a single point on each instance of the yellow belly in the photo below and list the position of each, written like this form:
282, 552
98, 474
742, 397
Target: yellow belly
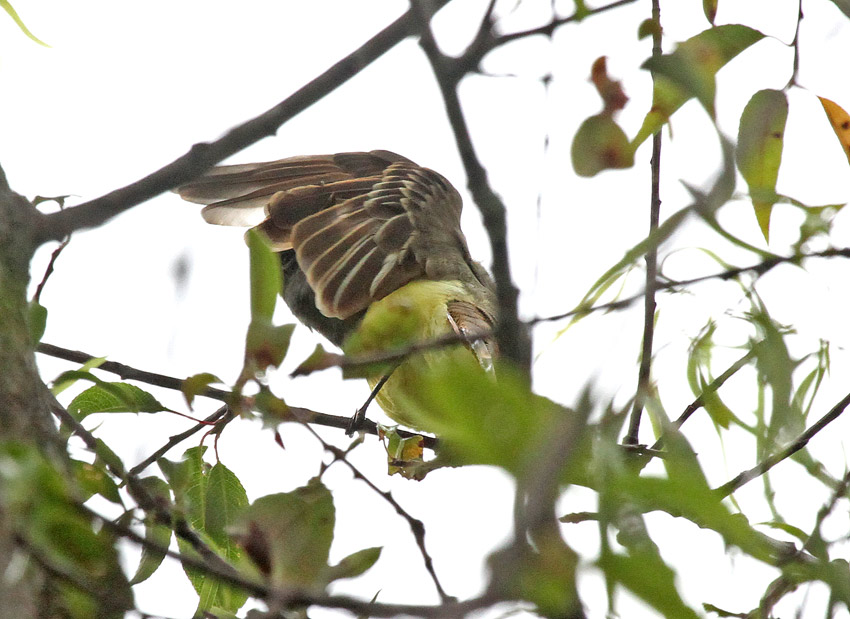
415, 312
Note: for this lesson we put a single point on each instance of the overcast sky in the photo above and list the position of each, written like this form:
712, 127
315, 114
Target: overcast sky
125, 88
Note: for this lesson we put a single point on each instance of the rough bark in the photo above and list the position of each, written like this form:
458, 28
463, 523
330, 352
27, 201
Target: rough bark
24, 414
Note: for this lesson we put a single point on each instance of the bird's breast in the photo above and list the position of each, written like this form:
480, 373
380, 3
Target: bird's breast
416, 312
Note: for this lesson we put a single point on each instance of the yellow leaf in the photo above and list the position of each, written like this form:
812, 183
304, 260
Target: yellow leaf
840, 121
759, 150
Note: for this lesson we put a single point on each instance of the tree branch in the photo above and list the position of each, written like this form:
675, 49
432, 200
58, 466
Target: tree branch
644, 372
417, 527
162, 512
759, 269
127, 372
511, 335
293, 597
712, 387
204, 155
801, 441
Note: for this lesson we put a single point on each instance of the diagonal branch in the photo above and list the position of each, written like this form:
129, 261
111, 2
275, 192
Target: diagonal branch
417, 527
202, 156
511, 334
709, 389
796, 445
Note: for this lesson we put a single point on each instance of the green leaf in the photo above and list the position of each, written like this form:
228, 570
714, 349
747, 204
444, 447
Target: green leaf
197, 384
188, 481
225, 500
104, 454
709, 8
36, 321
354, 564
480, 420
647, 576
266, 278
93, 479
106, 397
288, 535
545, 575
7, 6
266, 345
818, 222
685, 493
43, 510
155, 533
319, 359
209, 498
759, 152
775, 367
67, 379
689, 71
600, 144
699, 378
658, 236
648, 27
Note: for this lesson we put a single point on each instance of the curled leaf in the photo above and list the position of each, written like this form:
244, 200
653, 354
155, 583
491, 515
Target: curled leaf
611, 90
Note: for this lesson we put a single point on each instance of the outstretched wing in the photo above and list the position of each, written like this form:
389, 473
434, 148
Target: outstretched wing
361, 224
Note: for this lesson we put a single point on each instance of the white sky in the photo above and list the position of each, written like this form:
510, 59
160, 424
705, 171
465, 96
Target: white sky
127, 87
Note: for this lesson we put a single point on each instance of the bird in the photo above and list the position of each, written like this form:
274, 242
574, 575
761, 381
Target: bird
372, 255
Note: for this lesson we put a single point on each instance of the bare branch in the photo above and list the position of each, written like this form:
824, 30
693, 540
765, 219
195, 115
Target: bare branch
176, 439
125, 371
710, 388
801, 441
416, 526
292, 597
169, 382
511, 335
758, 269
204, 155
644, 371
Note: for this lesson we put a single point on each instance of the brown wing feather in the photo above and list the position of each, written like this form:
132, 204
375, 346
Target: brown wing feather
361, 224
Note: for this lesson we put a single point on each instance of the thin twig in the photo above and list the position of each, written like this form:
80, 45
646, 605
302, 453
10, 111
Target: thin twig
644, 372
290, 597
170, 382
397, 354
139, 491
176, 439
801, 441
710, 388
758, 269
783, 584
213, 564
549, 29
202, 156
416, 526
511, 335
49, 270
127, 372
795, 43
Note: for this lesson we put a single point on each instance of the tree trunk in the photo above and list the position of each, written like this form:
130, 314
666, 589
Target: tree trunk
24, 414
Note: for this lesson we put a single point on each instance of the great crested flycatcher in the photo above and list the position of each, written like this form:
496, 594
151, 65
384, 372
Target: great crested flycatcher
372, 253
